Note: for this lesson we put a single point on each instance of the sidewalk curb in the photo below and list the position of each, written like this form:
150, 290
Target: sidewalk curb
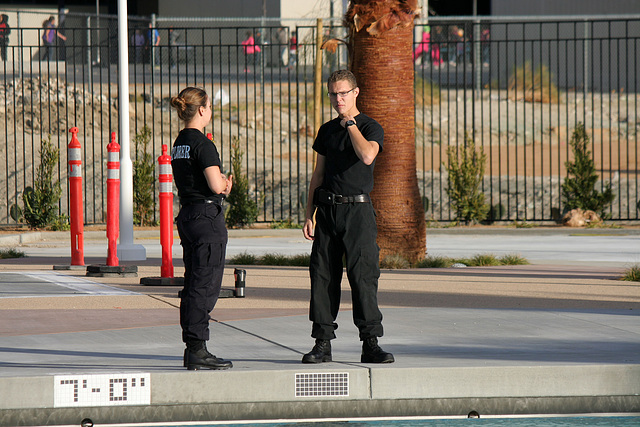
19, 239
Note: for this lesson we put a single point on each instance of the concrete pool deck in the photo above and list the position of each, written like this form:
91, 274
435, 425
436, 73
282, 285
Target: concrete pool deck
546, 338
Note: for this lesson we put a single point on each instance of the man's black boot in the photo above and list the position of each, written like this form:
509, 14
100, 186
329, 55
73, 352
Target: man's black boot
321, 352
198, 357
372, 353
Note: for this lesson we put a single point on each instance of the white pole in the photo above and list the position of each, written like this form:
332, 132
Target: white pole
98, 30
127, 251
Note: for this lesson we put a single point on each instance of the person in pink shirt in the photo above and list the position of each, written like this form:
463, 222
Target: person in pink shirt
250, 49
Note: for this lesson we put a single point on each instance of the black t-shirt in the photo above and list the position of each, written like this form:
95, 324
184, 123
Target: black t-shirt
192, 153
345, 173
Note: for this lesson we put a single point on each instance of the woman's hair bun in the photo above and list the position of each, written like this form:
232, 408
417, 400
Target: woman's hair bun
188, 102
178, 103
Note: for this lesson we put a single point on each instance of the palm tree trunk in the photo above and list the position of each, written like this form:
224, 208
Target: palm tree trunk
383, 66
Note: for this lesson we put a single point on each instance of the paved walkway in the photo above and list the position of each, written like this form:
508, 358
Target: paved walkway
558, 336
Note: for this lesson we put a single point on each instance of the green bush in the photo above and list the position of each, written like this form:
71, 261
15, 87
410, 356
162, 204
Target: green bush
285, 224
632, 274
244, 259
484, 260
579, 187
394, 262
41, 201
466, 170
11, 253
243, 210
143, 181
273, 259
390, 262
532, 86
513, 259
435, 262
301, 260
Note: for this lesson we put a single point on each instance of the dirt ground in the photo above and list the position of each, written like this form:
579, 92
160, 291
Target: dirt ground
275, 128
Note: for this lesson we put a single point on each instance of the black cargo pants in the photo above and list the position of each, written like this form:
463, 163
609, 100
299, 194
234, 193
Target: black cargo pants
349, 230
203, 237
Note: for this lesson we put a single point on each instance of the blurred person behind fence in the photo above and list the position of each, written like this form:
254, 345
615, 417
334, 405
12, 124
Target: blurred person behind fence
5, 30
49, 34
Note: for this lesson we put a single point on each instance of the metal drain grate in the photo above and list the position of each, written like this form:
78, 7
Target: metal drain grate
323, 384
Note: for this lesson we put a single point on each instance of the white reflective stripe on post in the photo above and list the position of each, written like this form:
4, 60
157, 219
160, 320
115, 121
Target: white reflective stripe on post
114, 156
74, 155
166, 187
75, 171
113, 173
165, 169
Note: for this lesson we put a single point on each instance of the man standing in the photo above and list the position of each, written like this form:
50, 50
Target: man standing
347, 147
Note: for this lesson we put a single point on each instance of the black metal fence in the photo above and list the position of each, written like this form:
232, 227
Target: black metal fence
518, 87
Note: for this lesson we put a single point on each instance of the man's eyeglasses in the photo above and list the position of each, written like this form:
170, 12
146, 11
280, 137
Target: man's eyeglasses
340, 94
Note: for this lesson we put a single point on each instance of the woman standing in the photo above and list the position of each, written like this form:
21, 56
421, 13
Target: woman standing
202, 188
250, 50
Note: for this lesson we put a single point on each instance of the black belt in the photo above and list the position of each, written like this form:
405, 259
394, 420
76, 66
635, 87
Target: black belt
201, 202
324, 197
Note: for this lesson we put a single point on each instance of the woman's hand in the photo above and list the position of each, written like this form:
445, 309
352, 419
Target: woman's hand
229, 185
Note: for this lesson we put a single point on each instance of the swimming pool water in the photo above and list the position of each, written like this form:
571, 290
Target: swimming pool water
598, 421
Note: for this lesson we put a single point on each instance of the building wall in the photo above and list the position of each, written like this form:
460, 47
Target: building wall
218, 8
293, 9
564, 7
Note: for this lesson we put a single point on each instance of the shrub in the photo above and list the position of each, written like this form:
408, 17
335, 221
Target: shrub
578, 188
243, 210
513, 259
143, 181
483, 260
11, 253
285, 224
41, 200
273, 259
435, 262
394, 262
244, 259
532, 86
466, 170
632, 274
301, 260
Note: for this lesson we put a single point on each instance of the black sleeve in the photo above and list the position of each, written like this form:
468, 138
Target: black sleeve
207, 154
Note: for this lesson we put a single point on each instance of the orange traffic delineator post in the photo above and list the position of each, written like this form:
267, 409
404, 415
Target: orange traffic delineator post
166, 212
76, 216
113, 200
165, 177
112, 268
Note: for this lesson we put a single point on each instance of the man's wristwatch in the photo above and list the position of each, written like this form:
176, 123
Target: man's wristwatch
349, 123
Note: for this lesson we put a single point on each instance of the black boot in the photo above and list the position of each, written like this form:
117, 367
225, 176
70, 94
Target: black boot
198, 357
321, 352
372, 353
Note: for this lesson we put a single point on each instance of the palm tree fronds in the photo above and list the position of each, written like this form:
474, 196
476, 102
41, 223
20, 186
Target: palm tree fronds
379, 16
